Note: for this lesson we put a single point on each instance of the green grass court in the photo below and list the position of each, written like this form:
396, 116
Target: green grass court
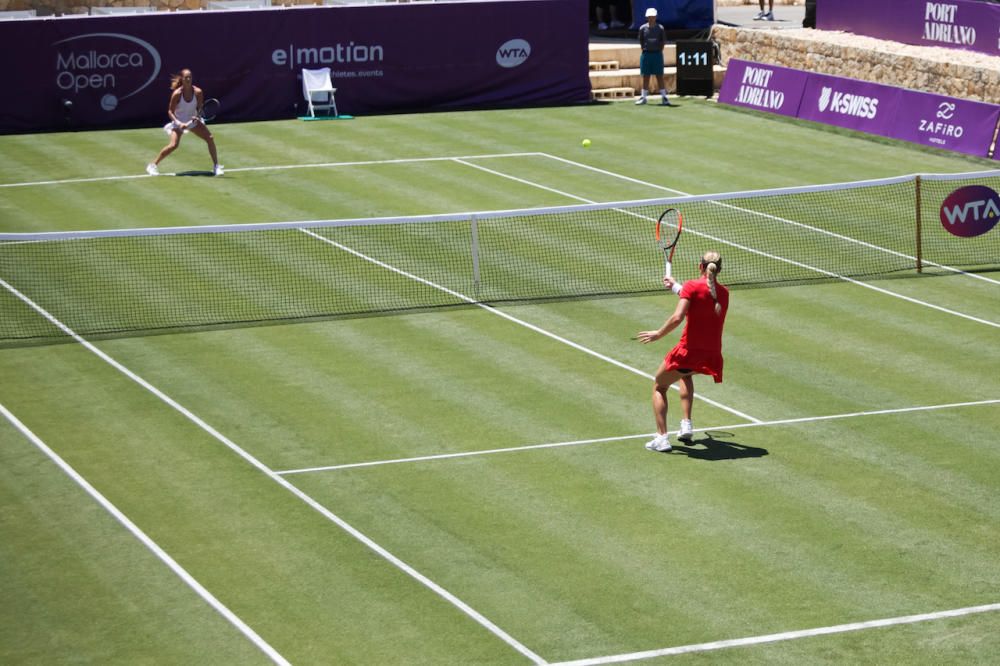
469, 485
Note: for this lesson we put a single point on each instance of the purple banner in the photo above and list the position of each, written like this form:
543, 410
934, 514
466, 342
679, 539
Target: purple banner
857, 105
960, 24
960, 125
112, 71
763, 87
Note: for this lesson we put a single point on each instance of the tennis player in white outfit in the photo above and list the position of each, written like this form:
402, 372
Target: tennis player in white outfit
184, 110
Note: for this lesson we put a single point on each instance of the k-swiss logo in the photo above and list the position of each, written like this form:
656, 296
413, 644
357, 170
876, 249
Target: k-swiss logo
847, 104
824, 98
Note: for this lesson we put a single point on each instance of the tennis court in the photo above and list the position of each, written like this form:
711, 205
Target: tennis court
456, 482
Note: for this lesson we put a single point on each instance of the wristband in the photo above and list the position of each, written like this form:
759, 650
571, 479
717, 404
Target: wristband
676, 288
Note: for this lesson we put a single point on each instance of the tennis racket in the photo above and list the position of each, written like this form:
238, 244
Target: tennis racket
668, 231
209, 110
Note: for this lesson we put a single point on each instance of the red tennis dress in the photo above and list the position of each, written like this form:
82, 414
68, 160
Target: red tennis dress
700, 347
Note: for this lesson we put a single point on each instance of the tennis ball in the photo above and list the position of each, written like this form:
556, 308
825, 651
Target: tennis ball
586, 143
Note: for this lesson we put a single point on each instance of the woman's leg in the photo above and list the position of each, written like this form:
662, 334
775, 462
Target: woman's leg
202, 131
664, 378
175, 140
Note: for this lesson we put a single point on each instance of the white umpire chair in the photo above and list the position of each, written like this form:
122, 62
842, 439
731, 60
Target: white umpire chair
319, 91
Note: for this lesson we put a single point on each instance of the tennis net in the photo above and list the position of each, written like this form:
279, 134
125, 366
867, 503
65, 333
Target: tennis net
114, 282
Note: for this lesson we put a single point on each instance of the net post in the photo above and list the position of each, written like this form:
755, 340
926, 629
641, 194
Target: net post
920, 267
475, 257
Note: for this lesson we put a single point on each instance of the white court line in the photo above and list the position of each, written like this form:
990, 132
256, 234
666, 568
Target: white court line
512, 318
329, 515
600, 440
147, 541
976, 276
792, 262
283, 167
784, 636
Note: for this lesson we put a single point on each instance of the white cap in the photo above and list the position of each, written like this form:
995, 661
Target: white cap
651, 12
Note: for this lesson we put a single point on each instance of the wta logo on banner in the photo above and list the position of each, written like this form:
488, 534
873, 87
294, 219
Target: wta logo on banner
110, 64
970, 211
513, 53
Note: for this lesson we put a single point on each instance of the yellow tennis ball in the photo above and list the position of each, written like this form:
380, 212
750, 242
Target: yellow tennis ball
586, 143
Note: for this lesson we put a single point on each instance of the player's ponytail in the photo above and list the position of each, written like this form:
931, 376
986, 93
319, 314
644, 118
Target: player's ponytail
177, 79
711, 264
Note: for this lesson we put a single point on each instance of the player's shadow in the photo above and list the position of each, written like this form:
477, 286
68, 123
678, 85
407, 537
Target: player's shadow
712, 446
194, 173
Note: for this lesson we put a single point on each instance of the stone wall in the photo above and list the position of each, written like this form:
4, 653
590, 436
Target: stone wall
931, 69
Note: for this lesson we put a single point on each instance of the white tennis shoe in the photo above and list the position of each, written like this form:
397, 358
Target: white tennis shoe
659, 443
641, 100
218, 170
686, 433
152, 170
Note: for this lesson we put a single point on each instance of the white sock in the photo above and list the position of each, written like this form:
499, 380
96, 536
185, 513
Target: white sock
663, 92
643, 95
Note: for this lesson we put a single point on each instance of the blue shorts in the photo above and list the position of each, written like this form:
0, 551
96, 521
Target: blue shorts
651, 64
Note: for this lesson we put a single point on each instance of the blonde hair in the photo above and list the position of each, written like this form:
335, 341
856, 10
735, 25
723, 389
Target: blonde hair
177, 79
711, 264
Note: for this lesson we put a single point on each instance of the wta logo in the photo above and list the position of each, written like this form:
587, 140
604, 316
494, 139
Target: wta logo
970, 211
513, 53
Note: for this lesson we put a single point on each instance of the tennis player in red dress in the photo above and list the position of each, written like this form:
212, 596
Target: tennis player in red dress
704, 303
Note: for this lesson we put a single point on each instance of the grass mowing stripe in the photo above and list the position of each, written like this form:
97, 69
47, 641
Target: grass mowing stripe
329, 515
784, 636
273, 167
550, 445
515, 320
182, 573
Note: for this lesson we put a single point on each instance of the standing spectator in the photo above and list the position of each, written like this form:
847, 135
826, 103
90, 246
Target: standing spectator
768, 15
652, 38
607, 9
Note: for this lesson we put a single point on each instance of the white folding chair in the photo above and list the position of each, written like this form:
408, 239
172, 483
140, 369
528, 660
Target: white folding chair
319, 91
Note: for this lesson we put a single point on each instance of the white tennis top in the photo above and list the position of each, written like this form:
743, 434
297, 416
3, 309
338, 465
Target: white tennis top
186, 110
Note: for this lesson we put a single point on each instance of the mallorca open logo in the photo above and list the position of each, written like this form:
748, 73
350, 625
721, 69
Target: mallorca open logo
104, 63
970, 211
513, 53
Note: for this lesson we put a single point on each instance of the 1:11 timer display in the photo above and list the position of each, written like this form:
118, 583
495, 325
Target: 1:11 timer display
693, 59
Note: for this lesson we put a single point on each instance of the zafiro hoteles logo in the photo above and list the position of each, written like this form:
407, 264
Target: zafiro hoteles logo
970, 211
939, 130
100, 61
513, 53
